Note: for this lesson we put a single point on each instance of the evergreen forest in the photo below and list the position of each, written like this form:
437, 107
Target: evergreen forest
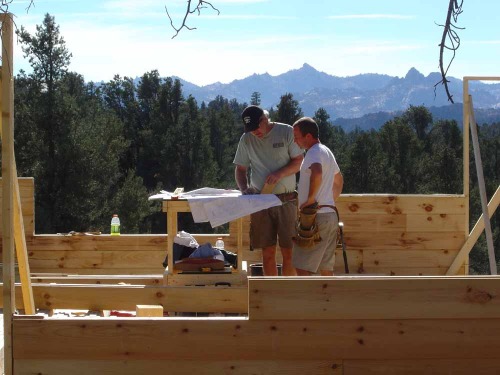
95, 149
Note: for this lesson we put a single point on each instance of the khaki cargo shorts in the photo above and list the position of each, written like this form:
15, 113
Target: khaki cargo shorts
322, 255
274, 225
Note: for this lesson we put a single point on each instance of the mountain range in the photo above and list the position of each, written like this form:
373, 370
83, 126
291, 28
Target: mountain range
363, 100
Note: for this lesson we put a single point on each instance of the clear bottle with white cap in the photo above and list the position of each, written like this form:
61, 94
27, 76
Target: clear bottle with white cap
219, 244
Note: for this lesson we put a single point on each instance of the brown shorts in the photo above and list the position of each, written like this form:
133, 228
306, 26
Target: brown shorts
274, 225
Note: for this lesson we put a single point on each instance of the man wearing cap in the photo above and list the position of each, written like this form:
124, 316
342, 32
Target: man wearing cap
269, 151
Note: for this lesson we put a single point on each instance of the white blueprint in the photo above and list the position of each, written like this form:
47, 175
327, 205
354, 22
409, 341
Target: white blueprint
219, 206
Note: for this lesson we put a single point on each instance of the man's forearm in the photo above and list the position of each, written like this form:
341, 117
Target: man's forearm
292, 167
240, 176
338, 185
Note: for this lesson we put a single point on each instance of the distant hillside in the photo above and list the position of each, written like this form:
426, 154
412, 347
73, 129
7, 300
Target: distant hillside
448, 112
348, 97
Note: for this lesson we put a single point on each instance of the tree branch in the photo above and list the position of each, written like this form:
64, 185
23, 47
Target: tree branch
201, 4
451, 37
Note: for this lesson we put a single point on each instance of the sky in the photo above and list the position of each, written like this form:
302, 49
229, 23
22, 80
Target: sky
338, 37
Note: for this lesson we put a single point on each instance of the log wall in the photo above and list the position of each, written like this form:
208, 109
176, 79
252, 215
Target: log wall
385, 235
396, 234
345, 325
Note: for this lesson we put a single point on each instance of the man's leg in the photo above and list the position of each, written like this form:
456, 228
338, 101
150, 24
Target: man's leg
303, 272
269, 261
288, 268
326, 273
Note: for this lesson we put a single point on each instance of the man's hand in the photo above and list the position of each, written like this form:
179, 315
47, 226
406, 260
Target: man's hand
250, 191
307, 203
273, 178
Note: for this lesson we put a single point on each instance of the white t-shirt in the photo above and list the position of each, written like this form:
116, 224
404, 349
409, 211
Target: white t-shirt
321, 154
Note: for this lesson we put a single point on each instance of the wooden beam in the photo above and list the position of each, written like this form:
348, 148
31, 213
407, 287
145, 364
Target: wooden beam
27, 194
419, 366
149, 311
474, 235
394, 204
465, 150
59, 278
126, 297
326, 298
8, 187
21, 249
214, 366
230, 339
482, 189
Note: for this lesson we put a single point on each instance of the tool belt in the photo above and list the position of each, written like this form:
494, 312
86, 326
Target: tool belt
287, 197
307, 232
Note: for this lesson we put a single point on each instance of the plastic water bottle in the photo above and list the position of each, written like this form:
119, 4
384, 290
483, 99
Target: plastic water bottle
219, 244
115, 225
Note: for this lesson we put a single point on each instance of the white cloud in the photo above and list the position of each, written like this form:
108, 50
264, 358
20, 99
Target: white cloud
371, 16
248, 16
483, 42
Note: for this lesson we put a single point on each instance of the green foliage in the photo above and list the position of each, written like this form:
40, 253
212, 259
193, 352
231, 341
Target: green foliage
255, 98
288, 110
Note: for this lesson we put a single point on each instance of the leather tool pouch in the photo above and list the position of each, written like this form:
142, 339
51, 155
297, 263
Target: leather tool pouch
307, 231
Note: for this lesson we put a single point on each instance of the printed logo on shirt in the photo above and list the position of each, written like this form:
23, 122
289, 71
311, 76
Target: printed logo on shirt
278, 145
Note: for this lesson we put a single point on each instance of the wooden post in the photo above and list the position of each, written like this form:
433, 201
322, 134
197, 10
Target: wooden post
9, 303
473, 236
239, 236
19, 235
482, 189
465, 152
465, 128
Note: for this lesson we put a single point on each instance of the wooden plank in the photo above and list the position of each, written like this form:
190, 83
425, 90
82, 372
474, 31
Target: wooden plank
178, 279
404, 240
455, 366
160, 367
413, 258
375, 222
169, 207
97, 279
373, 297
474, 234
403, 222
27, 194
466, 151
108, 297
405, 271
229, 339
148, 311
96, 259
410, 204
101, 271
21, 249
435, 223
124, 242
7, 133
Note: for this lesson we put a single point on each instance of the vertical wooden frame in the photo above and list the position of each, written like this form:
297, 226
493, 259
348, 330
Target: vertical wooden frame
8, 188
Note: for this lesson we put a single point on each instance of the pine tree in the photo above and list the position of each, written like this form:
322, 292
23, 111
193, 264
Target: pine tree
288, 110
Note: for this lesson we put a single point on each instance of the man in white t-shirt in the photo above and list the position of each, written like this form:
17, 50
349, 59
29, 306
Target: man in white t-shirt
320, 184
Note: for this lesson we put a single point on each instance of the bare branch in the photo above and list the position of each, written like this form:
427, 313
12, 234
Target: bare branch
200, 4
31, 4
449, 41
